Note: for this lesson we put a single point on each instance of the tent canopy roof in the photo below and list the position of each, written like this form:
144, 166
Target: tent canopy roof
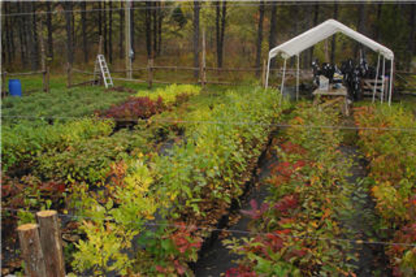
328, 28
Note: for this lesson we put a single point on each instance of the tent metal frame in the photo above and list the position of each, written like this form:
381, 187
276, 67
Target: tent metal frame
338, 27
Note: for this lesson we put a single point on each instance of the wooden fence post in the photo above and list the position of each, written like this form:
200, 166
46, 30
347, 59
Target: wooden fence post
47, 78
50, 238
263, 74
203, 64
149, 73
69, 75
31, 250
3, 83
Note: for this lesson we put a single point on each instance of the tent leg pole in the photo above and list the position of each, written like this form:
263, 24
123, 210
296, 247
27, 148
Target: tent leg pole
376, 80
266, 84
297, 78
283, 81
382, 85
391, 81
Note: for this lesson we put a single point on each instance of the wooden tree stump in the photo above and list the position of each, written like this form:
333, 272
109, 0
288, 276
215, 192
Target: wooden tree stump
31, 250
50, 237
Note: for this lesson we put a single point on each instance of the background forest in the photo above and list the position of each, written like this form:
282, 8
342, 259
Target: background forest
238, 34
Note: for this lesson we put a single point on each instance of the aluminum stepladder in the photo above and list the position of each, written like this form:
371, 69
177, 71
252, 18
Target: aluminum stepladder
101, 71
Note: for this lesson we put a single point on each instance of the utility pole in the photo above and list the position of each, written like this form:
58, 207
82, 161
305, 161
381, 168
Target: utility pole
129, 51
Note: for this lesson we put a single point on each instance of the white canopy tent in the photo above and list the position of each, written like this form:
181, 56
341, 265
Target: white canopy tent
315, 35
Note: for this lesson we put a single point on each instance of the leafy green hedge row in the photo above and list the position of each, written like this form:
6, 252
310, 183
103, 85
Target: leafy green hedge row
392, 157
74, 102
308, 195
193, 183
26, 141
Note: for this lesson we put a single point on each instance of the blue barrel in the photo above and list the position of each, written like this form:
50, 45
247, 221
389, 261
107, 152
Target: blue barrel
15, 87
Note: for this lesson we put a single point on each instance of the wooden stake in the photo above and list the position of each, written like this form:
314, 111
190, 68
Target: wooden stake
100, 45
69, 75
47, 78
50, 238
3, 83
43, 55
150, 73
31, 250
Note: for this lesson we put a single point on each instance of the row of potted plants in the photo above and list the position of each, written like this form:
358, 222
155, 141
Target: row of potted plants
297, 230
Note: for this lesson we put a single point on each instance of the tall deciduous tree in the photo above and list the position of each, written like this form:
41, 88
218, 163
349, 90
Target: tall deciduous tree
315, 22
68, 21
361, 22
121, 33
221, 13
84, 30
49, 28
132, 28
411, 42
154, 27
259, 36
110, 32
105, 29
197, 8
273, 30
334, 41
22, 35
159, 28
32, 29
148, 26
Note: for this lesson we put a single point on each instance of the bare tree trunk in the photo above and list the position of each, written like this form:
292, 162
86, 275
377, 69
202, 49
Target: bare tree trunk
223, 21
159, 29
12, 22
154, 28
69, 43
217, 29
6, 56
12, 45
377, 25
259, 37
32, 37
105, 29
110, 32
148, 25
333, 42
315, 22
21, 29
411, 42
121, 37
308, 55
197, 8
73, 26
100, 21
49, 28
220, 20
132, 27
273, 23
84, 31
361, 26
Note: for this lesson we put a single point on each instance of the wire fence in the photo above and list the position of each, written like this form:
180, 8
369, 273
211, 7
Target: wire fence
252, 123
235, 231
